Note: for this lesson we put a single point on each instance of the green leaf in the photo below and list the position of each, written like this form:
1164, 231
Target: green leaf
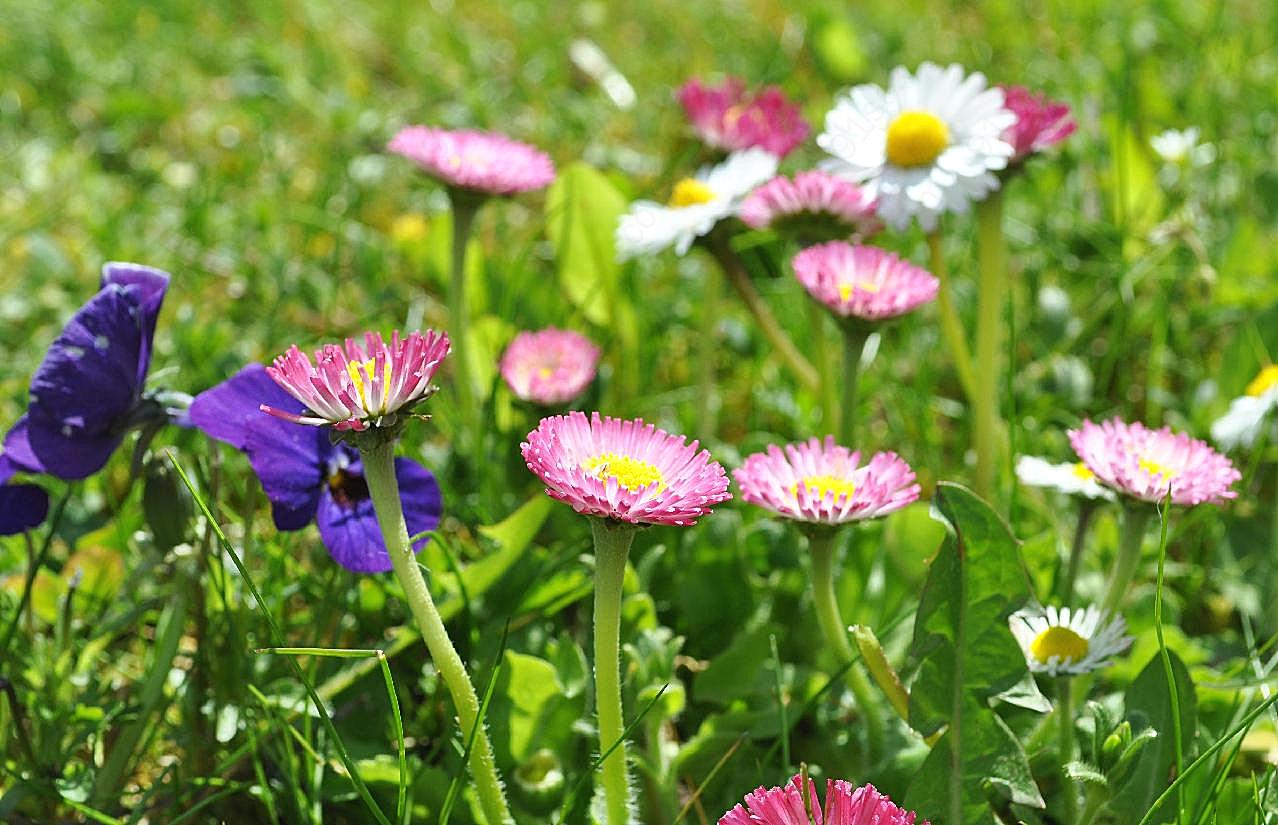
582, 210
517, 530
527, 706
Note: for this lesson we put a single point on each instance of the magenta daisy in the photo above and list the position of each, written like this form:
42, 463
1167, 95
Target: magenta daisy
355, 387
814, 202
485, 162
824, 483
1145, 463
727, 117
1040, 123
844, 805
548, 367
863, 281
624, 469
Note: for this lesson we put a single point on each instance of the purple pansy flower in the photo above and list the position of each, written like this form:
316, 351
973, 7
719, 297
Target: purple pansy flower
22, 506
306, 477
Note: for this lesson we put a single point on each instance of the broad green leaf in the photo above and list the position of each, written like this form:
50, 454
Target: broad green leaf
736, 672
529, 708
516, 531
582, 210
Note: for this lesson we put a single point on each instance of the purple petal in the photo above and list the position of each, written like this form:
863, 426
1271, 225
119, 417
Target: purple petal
17, 450
290, 461
22, 507
420, 497
226, 410
350, 531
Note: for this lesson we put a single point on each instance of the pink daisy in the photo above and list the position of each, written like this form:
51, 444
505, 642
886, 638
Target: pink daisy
549, 367
822, 483
814, 200
485, 162
1040, 123
844, 805
624, 469
863, 281
352, 387
728, 118
1144, 463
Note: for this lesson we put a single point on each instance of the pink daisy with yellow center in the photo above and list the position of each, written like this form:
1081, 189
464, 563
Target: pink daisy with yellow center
550, 366
824, 483
353, 387
1040, 123
1145, 463
863, 281
484, 162
844, 805
727, 117
624, 469
814, 201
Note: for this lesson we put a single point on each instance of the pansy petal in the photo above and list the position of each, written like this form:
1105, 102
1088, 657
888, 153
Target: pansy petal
17, 449
289, 461
147, 285
419, 494
22, 507
227, 410
71, 456
288, 518
351, 534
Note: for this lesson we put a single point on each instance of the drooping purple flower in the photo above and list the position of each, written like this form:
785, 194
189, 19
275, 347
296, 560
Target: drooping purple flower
22, 506
306, 477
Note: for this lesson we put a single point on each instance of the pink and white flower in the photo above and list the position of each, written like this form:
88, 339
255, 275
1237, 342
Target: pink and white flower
1040, 123
844, 805
355, 387
485, 162
624, 469
863, 281
824, 483
549, 367
1145, 464
813, 199
727, 117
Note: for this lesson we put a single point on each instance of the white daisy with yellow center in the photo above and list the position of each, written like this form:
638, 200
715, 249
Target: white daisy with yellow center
1246, 415
696, 204
1065, 642
928, 144
1074, 479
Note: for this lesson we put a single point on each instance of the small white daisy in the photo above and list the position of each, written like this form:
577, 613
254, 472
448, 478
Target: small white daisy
1074, 479
1181, 147
1246, 415
1064, 642
695, 206
929, 144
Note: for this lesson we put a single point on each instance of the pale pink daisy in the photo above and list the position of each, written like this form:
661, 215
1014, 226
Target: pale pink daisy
1145, 463
823, 483
624, 469
1040, 123
844, 805
485, 162
815, 202
727, 117
355, 387
863, 281
550, 366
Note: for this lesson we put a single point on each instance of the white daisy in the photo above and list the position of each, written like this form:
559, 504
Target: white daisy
1074, 479
695, 206
1068, 642
929, 144
1246, 415
1181, 147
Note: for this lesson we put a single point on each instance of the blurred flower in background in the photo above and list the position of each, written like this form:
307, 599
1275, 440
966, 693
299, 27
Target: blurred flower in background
1246, 415
728, 117
1040, 123
483, 162
551, 366
815, 206
1074, 479
863, 282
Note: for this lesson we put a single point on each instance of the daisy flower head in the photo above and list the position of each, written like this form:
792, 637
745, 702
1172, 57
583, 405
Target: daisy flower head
549, 367
624, 469
1074, 479
844, 805
728, 117
1064, 642
820, 482
487, 163
696, 205
1144, 463
1040, 123
863, 281
815, 204
1246, 415
1180, 147
353, 387
928, 144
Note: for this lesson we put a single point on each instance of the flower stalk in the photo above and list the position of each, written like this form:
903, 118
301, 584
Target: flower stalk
1135, 519
951, 324
854, 337
612, 546
1065, 730
465, 206
991, 297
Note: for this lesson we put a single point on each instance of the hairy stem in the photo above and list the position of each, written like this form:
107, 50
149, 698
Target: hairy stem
612, 546
854, 336
992, 252
1135, 518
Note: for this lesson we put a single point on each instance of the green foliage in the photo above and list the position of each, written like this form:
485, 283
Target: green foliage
1148, 704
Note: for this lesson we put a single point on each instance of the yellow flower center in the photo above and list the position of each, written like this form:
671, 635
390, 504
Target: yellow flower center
1060, 642
690, 192
1156, 469
1080, 470
846, 290
545, 372
629, 472
361, 373
820, 485
916, 138
1264, 382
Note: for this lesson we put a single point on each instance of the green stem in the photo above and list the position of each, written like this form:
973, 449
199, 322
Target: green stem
992, 251
831, 412
1169, 674
612, 545
465, 207
1085, 512
854, 336
951, 324
383, 488
885, 676
821, 546
708, 352
1135, 518
1095, 799
1065, 729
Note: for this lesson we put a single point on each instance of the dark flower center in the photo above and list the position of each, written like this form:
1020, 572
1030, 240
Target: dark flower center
347, 488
